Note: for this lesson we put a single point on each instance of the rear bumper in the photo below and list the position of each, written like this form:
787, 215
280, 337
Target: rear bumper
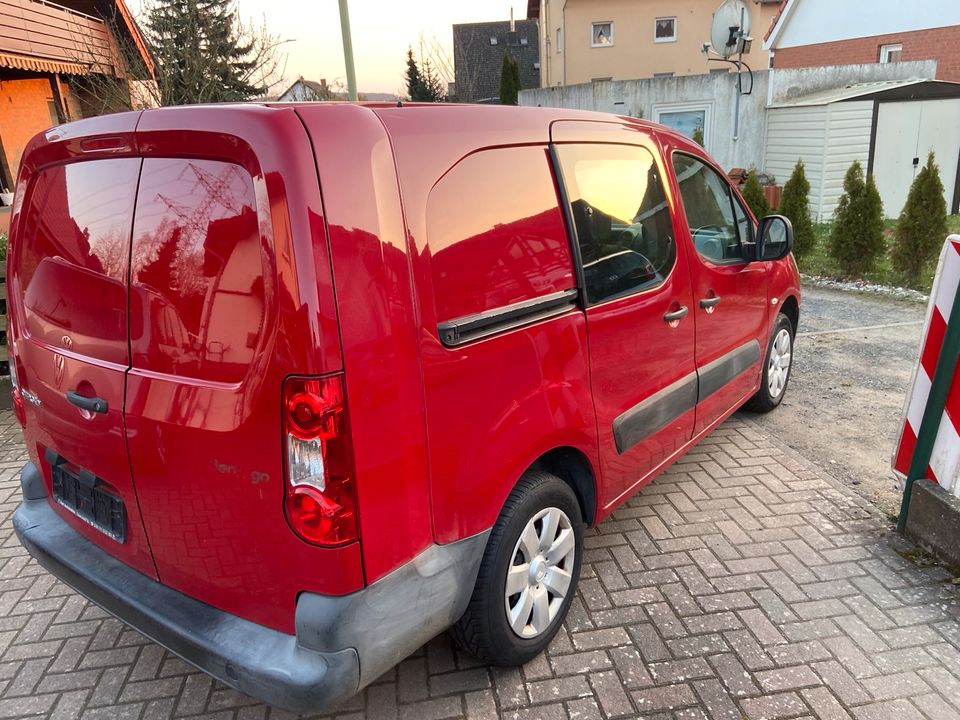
341, 645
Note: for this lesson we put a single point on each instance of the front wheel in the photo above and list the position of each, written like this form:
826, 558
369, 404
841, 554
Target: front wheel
528, 575
776, 368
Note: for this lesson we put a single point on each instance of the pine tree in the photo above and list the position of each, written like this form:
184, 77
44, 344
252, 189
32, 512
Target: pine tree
415, 89
204, 54
433, 85
922, 225
753, 193
509, 81
423, 85
794, 203
856, 239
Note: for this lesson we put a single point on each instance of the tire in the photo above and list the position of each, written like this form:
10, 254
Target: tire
776, 368
486, 630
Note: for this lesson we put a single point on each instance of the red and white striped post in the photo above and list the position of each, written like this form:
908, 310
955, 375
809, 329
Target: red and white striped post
929, 442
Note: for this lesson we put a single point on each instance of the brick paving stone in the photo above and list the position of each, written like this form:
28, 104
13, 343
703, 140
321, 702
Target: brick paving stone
772, 707
743, 583
613, 698
789, 678
668, 697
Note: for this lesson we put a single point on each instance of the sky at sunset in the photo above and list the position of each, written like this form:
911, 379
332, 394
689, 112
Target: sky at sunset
382, 30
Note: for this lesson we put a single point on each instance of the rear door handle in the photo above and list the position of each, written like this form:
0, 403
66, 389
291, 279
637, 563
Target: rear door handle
675, 315
709, 303
94, 404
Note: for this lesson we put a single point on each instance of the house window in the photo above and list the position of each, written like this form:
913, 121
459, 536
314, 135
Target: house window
685, 118
891, 53
523, 41
602, 35
665, 29
493, 41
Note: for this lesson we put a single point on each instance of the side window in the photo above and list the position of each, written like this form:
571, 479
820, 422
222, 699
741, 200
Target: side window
621, 218
709, 207
495, 233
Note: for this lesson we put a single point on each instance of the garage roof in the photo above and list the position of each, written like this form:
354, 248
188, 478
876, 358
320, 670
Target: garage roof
886, 90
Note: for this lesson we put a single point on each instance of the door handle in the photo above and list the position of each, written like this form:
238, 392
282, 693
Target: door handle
709, 303
675, 315
94, 404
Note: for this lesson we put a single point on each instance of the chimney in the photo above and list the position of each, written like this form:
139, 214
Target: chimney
513, 26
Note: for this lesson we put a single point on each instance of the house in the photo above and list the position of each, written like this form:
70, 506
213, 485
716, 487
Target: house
817, 33
478, 50
306, 91
57, 62
311, 91
585, 40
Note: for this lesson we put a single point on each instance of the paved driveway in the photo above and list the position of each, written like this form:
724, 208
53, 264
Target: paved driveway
743, 583
854, 356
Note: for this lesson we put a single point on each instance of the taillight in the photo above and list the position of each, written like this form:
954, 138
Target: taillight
320, 493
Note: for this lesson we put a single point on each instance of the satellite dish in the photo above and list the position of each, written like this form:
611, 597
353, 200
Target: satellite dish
726, 34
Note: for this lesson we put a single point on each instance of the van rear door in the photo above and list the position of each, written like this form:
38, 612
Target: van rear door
70, 249
230, 293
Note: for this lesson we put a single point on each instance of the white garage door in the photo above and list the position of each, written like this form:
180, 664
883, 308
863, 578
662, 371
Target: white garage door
906, 132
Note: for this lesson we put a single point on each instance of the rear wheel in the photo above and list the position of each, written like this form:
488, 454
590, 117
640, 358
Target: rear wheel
528, 575
776, 368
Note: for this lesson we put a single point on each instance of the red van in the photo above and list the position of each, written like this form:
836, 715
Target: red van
305, 385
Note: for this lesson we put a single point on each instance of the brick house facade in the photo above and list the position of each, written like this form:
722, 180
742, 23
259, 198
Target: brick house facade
818, 33
51, 59
940, 44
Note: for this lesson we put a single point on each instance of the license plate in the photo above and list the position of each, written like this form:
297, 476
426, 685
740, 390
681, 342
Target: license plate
84, 494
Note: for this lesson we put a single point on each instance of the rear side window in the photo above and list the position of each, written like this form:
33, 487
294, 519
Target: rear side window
717, 222
496, 234
196, 287
75, 248
621, 217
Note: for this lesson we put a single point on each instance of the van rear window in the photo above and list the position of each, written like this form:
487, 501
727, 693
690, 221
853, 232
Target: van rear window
196, 288
75, 245
496, 233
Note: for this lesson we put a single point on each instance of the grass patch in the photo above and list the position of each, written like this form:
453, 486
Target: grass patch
819, 263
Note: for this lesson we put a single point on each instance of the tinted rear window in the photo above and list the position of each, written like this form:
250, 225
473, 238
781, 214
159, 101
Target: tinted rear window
75, 246
197, 290
496, 233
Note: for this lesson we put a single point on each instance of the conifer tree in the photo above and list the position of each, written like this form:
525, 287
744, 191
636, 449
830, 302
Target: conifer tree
509, 81
856, 239
753, 193
423, 85
204, 54
922, 225
794, 203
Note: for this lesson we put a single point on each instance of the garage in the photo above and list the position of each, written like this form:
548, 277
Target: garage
888, 126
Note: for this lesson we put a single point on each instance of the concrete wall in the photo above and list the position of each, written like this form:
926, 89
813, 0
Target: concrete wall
716, 92
646, 98
791, 83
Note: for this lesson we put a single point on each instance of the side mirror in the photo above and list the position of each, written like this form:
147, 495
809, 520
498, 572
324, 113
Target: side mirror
774, 237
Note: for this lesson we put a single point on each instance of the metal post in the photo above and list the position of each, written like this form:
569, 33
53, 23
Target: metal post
736, 106
933, 412
348, 50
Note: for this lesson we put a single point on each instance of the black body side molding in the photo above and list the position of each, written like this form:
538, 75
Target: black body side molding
666, 405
